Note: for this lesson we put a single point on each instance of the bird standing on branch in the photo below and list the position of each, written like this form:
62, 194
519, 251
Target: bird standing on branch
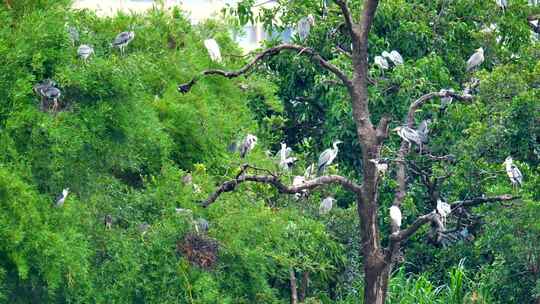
61, 198
213, 49
410, 135
327, 157
84, 51
249, 144
286, 162
304, 26
476, 59
444, 210
122, 40
395, 216
513, 172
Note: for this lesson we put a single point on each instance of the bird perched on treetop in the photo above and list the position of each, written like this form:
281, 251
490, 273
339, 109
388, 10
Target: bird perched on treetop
409, 135
476, 59
213, 49
122, 40
513, 172
61, 198
327, 157
48, 91
249, 143
84, 51
326, 205
395, 216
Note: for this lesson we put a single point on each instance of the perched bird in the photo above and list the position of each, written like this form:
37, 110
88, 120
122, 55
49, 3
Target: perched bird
299, 181
213, 49
535, 25
304, 26
61, 198
503, 4
443, 209
394, 56
285, 161
381, 62
326, 205
395, 216
513, 172
108, 221
249, 143
380, 165
201, 225
48, 91
476, 59
122, 40
84, 51
446, 100
423, 130
410, 135
327, 157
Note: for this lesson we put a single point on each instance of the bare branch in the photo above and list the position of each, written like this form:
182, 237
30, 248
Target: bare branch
275, 181
425, 98
368, 12
347, 16
184, 88
420, 221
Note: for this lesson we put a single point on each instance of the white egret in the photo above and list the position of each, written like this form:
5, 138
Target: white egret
213, 49
304, 26
381, 62
476, 59
395, 216
516, 178
61, 198
443, 209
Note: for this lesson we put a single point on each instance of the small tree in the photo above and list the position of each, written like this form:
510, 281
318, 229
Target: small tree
378, 260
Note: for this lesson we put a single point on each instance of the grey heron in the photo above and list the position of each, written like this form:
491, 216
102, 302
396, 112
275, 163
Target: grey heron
304, 26
423, 130
84, 51
247, 145
108, 220
73, 34
201, 225
213, 49
61, 198
327, 157
380, 165
476, 59
516, 178
122, 40
410, 135
443, 209
381, 62
446, 100
326, 205
395, 216
48, 91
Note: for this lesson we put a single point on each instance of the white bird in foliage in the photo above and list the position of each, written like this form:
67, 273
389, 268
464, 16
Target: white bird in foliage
394, 56
381, 62
443, 209
476, 59
503, 4
61, 198
122, 40
304, 26
327, 157
326, 205
409, 135
213, 49
395, 216
249, 143
84, 51
513, 172
380, 165
285, 161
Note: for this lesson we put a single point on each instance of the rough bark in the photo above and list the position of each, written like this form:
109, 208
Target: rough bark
294, 294
304, 286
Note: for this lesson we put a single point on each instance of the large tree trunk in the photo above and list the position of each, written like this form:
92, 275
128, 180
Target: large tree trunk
375, 284
304, 286
294, 294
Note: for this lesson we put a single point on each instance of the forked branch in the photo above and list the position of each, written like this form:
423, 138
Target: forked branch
275, 181
185, 87
403, 235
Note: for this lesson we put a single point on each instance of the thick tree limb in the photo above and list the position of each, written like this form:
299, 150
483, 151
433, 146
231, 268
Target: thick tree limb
184, 88
427, 97
420, 221
275, 181
347, 16
368, 13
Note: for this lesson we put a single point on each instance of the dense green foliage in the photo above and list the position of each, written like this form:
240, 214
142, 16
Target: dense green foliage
125, 138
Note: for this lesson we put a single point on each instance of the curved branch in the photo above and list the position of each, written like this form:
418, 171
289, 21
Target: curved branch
424, 219
347, 16
427, 97
185, 87
275, 181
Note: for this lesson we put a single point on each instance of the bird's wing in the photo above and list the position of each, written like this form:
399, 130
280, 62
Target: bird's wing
474, 60
516, 174
121, 38
325, 156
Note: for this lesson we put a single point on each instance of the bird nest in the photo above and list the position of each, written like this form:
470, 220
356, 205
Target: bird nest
199, 249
